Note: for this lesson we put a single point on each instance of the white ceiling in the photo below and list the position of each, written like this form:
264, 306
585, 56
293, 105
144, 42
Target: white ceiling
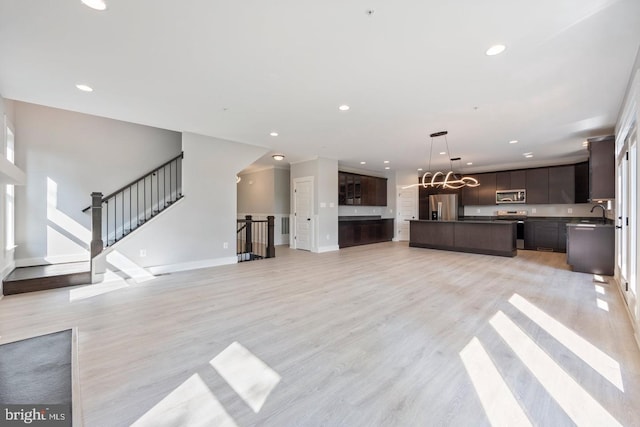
241, 69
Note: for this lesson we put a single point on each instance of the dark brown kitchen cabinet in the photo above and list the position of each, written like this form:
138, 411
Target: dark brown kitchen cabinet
503, 180
602, 168
355, 232
562, 184
582, 183
518, 180
381, 191
469, 195
545, 235
591, 249
511, 180
537, 187
361, 190
487, 189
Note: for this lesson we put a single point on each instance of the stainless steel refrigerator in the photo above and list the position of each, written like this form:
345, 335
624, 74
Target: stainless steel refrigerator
443, 207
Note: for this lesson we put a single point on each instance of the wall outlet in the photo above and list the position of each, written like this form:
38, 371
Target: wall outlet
355, 211
569, 210
143, 253
477, 210
533, 210
332, 205
225, 245
323, 205
328, 236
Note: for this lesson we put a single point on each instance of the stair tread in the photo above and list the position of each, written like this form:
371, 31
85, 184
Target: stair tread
40, 271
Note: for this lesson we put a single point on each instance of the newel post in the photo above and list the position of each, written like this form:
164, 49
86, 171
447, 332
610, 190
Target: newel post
248, 245
271, 248
97, 245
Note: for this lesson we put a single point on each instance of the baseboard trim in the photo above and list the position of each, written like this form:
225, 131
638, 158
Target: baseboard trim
192, 265
8, 269
323, 249
629, 315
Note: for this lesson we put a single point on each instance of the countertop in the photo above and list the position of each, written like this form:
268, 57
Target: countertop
567, 219
470, 221
361, 218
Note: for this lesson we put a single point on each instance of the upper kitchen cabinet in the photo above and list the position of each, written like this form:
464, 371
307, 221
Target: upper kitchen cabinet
562, 184
361, 190
511, 180
602, 168
582, 182
537, 186
469, 195
487, 189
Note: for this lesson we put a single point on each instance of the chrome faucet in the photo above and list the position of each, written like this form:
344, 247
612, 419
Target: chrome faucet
604, 211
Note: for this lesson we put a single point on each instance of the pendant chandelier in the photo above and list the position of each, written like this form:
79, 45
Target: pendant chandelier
444, 179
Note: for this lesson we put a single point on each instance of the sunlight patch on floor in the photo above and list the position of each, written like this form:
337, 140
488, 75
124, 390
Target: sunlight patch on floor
94, 290
589, 353
602, 305
577, 403
190, 404
247, 375
500, 406
128, 267
599, 289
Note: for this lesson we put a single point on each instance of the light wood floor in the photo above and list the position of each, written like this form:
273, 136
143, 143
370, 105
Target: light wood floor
378, 335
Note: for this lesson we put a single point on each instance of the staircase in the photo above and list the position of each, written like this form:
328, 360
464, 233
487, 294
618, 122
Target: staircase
113, 218
255, 239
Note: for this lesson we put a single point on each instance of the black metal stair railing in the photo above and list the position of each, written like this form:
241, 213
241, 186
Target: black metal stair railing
255, 238
123, 211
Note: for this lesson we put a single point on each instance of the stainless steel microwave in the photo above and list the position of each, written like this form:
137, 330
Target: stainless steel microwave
511, 196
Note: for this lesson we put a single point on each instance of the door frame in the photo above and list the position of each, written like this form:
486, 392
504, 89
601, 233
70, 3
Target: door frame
293, 244
416, 200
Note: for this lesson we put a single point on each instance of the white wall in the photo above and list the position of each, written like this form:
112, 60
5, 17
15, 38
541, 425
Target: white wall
256, 193
193, 233
325, 201
281, 187
66, 156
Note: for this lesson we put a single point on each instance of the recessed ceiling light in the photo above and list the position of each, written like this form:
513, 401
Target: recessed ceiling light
95, 4
495, 49
528, 155
386, 161
387, 167
274, 134
343, 107
443, 152
419, 169
278, 157
363, 163
84, 88
469, 163
513, 141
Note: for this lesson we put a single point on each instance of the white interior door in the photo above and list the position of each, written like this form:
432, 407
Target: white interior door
303, 212
407, 209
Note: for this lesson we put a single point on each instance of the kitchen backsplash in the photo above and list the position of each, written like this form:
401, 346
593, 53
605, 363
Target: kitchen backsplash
574, 210
383, 211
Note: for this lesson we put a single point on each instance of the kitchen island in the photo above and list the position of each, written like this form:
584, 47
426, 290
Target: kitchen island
481, 237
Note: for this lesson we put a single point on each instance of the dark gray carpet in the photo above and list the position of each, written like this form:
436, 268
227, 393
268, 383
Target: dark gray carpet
37, 370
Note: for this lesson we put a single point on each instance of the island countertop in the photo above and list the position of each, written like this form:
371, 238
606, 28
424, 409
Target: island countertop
493, 237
